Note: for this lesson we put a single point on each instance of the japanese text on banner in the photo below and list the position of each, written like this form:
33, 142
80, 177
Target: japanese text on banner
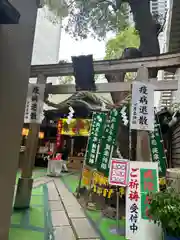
108, 142
133, 196
94, 139
143, 179
142, 115
34, 103
149, 183
157, 148
58, 137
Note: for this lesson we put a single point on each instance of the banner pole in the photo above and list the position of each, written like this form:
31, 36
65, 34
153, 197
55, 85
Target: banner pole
117, 210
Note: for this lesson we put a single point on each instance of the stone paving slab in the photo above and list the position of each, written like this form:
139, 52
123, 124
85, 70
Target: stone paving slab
64, 233
75, 212
68, 199
56, 206
68, 217
84, 229
59, 218
53, 194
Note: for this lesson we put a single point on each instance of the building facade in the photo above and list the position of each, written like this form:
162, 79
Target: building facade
46, 44
160, 7
47, 40
166, 97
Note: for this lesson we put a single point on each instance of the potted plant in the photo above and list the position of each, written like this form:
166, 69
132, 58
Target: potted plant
165, 210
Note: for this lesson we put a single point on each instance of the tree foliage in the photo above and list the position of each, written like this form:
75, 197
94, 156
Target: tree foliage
128, 38
91, 17
95, 18
59, 9
125, 39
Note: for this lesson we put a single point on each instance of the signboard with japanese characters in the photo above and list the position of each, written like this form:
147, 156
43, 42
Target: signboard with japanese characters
157, 148
142, 109
94, 139
118, 172
58, 136
143, 179
34, 103
108, 141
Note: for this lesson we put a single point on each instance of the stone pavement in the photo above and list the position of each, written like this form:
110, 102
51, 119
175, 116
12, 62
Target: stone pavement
55, 214
33, 223
68, 218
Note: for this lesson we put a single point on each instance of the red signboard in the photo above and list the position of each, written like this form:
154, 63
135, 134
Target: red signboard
58, 138
118, 172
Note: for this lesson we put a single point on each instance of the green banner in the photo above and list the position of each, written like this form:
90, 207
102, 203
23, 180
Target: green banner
148, 184
95, 136
108, 141
157, 148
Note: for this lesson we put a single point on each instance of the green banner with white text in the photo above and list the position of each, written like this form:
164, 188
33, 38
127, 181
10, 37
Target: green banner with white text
157, 148
108, 141
94, 139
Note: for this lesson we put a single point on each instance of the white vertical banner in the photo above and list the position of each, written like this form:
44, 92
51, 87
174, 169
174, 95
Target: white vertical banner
142, 109
143, 179
34, 103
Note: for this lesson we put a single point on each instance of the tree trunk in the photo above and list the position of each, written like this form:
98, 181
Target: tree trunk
117, 97
147, 28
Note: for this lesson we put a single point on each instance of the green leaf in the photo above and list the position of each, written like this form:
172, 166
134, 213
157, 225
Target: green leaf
125, 39
165, 210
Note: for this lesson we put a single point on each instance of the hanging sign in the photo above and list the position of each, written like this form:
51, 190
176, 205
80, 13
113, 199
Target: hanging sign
34, 103
143, 179
94, 139
108, 141
157, 148
76, 127
118, 172
58, 137
142, 109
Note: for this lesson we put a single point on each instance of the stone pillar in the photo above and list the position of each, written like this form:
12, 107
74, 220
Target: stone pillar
16, 42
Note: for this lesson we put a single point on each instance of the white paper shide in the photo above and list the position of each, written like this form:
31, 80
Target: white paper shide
142, 109
34, 103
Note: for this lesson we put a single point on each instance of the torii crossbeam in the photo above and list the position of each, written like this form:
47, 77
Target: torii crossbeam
162, 62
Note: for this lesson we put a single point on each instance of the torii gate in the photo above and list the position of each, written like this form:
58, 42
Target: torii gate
41, 72
162, 62
15, 55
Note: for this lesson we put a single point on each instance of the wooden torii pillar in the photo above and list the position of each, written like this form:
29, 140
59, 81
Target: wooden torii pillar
25, 182
143, 147
15, 59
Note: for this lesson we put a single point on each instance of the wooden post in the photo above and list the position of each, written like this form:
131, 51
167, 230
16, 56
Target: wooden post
25, 182
142, 146
72, 147
15, 58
